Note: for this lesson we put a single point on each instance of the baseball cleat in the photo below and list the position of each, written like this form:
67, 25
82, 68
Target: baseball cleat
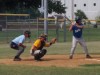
17, 59
71, 57
88, 56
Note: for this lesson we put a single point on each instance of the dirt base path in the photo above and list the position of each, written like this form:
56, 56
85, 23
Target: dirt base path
55, 60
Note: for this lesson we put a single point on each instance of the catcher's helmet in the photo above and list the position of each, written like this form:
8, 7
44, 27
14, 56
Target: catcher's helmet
43, 36
28, 32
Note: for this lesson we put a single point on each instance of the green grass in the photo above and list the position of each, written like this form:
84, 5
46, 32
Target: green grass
92, 37
59, 48
34, 70
89, 34
91, 65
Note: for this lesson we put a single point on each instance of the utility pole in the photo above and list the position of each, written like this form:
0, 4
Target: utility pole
72, 10
45, 17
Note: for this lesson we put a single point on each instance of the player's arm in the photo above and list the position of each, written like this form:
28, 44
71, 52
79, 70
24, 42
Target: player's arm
35, 45
70, 28
53, 40
20, 44
47, 44
80, 26
34, 48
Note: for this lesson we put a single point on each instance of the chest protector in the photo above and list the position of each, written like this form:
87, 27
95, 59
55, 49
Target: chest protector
42, 45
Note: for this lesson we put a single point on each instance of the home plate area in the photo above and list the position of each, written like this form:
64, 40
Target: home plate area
55, 60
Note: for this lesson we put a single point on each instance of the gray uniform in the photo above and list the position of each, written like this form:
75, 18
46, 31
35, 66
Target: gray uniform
77, 38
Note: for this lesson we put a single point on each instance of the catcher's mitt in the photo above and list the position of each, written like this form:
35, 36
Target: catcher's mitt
53, 40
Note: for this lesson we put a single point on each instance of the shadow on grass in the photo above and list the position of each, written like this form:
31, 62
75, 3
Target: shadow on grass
91, 65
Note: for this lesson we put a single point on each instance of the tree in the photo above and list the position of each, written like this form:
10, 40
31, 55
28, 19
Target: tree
98, 20
80, 14
56, 6
19, 5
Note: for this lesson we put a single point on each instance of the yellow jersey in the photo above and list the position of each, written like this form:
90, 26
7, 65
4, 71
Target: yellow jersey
40, 44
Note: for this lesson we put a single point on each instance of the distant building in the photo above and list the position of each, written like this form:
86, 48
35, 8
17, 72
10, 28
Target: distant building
90, 7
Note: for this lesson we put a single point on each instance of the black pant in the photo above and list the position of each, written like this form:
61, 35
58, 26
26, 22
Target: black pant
14, 46
40, 54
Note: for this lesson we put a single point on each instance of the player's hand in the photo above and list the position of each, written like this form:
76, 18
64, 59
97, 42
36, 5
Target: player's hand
24, 46
72, 23
53, 40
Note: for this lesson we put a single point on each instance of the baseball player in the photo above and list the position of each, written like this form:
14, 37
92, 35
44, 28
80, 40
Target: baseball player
37, 48
17, 44
77, 38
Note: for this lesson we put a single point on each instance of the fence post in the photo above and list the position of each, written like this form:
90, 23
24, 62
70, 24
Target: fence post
0, 27
64, 29
57, 29
37, 27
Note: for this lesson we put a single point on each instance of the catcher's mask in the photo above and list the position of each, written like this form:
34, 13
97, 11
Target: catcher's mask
43, 36
28, 32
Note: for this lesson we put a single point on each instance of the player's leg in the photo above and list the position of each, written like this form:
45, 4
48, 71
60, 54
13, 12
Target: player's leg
38, 54
74, 44
14, 46
20, 51
41, 54
83, 44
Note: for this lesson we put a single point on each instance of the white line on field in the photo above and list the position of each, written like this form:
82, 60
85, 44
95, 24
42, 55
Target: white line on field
93, 59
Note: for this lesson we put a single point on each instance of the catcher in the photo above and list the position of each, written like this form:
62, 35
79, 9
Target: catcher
37, 48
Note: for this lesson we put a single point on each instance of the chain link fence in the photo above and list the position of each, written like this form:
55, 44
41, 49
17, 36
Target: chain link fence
13, 26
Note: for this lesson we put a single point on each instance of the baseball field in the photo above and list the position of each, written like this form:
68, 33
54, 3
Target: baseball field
56, 61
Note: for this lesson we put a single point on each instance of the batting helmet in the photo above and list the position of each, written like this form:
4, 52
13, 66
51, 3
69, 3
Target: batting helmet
78, 20
28, 32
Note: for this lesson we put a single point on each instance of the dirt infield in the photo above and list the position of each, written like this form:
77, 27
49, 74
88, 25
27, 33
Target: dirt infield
55, 60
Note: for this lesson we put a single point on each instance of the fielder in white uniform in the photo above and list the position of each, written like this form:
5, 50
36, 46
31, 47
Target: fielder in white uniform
77, 38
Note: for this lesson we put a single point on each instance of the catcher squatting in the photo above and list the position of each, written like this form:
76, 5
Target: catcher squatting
37, 48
